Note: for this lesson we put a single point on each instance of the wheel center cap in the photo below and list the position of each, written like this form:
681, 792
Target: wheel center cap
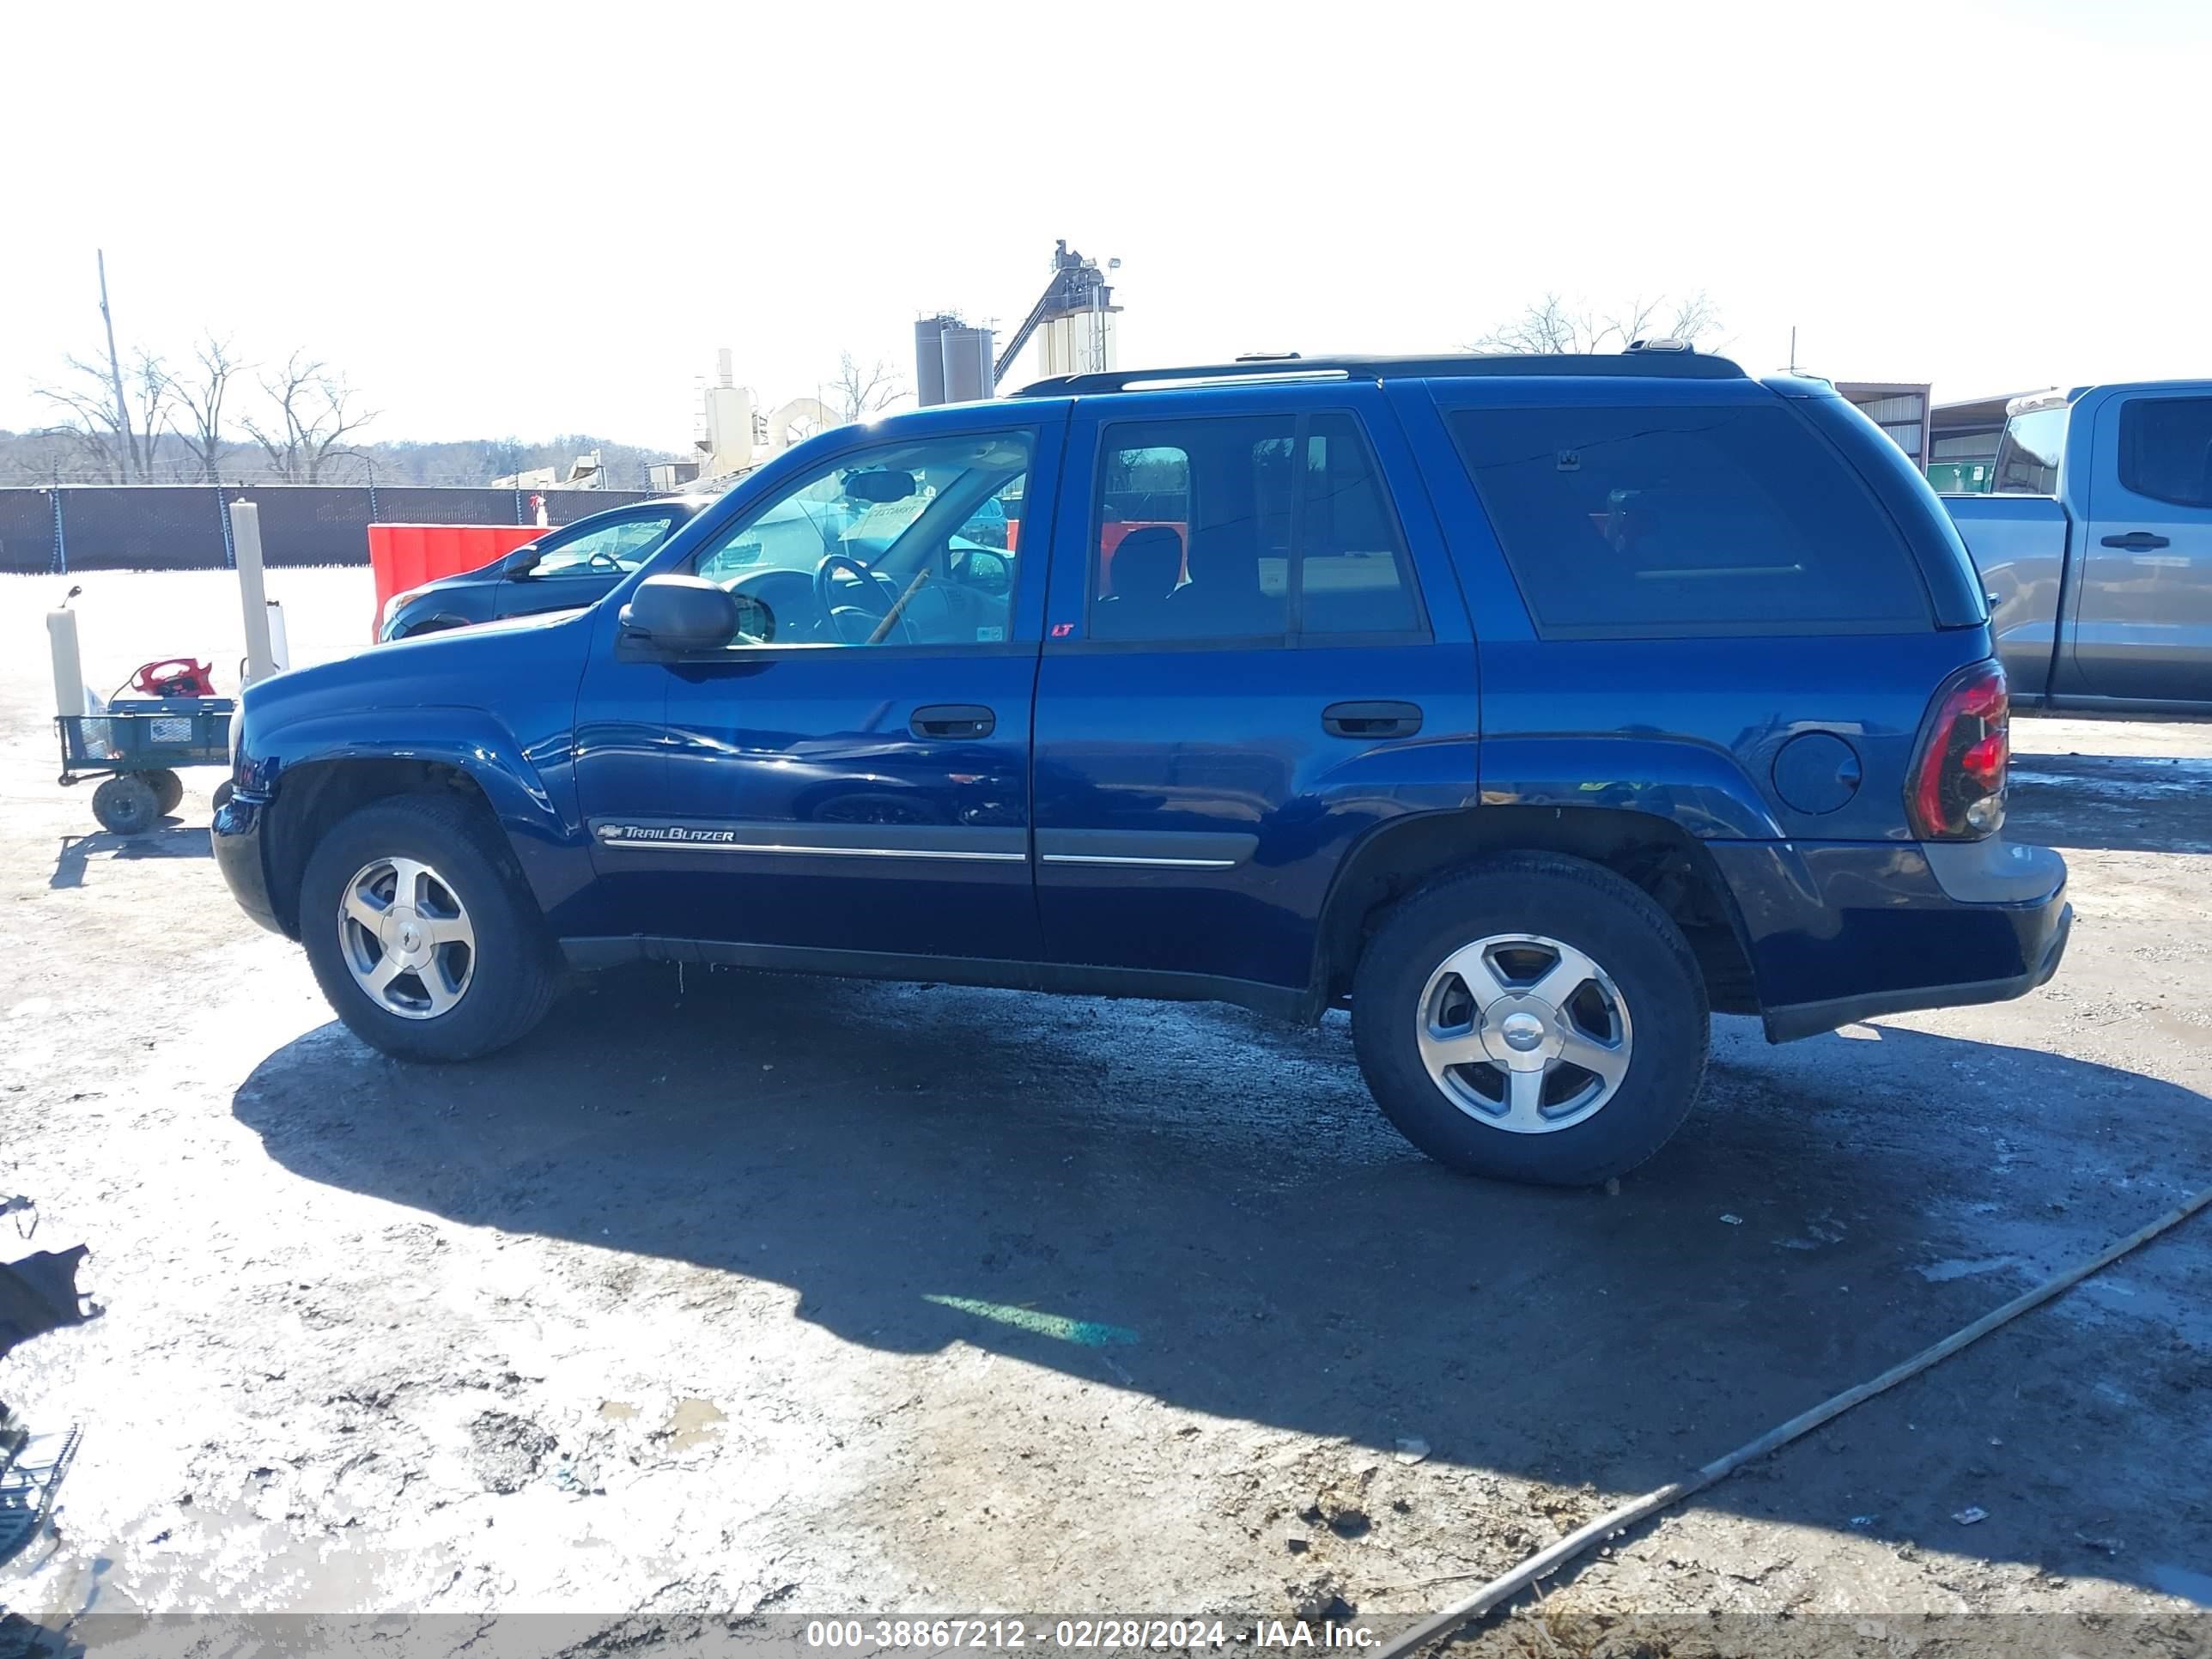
1518, 1033
403, 934
1522, 1030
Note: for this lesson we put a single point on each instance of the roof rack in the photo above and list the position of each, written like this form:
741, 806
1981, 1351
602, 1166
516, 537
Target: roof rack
1646, 364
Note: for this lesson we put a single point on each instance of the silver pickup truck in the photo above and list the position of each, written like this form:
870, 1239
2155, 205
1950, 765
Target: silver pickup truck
2095, 544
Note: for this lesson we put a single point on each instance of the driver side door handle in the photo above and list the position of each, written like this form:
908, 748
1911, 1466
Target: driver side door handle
953, 719
1371, 719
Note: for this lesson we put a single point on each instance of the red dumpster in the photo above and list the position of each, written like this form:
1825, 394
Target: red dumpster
405, 555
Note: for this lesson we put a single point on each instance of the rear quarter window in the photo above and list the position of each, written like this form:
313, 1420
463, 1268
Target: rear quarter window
1656, 521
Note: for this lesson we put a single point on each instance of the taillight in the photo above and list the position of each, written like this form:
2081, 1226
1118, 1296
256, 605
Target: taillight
1958, 787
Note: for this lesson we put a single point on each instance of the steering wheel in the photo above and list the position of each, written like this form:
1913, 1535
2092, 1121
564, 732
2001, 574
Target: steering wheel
856, 624
603, 560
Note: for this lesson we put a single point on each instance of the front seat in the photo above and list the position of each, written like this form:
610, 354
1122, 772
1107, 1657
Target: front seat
1146, 567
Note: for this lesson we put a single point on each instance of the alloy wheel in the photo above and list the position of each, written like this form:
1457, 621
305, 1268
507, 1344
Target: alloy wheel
1524, 1033
406, 937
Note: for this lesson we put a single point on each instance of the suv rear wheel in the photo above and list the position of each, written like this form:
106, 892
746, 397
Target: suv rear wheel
426, 947
1532, 1018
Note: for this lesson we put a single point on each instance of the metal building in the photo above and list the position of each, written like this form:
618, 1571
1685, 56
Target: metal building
1899, 408
1965, 432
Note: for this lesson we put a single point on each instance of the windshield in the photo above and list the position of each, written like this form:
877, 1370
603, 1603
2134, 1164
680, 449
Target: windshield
2029, 452
608, 550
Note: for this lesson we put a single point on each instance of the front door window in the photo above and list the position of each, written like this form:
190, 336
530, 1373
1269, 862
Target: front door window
907, 544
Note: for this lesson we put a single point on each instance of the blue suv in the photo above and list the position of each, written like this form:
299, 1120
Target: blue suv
1531, 707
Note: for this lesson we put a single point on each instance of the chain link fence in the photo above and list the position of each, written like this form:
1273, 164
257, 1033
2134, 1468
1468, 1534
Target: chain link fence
185, 527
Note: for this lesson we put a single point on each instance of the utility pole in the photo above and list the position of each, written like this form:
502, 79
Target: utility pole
115, 376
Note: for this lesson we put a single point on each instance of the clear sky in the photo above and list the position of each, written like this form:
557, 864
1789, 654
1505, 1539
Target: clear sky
535, 219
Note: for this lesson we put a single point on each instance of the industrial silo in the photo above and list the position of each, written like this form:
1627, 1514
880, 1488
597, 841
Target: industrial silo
968, 363
929, 359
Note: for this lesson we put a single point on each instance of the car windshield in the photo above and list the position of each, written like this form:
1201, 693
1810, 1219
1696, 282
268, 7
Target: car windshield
615, 548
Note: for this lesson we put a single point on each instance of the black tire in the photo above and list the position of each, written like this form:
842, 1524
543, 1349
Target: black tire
168, 790
126, 805
1617, 926
511, 978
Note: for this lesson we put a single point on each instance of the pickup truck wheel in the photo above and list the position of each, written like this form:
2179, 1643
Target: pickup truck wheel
1532, 1018
424, 944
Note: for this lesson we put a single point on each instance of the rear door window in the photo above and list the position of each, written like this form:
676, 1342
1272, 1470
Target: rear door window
1658, 522
1353, 572
1191, 536
1255, 528
2166, 449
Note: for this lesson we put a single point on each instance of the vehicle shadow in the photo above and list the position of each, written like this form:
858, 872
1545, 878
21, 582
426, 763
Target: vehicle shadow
1196, 1204
20, 1638
2121, 803
171, 839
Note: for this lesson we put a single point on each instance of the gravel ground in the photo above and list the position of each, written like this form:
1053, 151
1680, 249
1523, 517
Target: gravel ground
734, 1292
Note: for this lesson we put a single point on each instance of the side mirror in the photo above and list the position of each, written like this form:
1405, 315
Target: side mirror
680, 613
756, 621
986, 572
523, 561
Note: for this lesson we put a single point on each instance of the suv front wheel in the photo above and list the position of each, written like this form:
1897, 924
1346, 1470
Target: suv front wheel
1532, 1018
426, 947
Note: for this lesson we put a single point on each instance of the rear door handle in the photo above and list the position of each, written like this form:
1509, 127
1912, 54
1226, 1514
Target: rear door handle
1370, 720
953, 719
2136, 541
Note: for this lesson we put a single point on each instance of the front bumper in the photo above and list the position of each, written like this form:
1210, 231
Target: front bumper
236, 835
1839, 932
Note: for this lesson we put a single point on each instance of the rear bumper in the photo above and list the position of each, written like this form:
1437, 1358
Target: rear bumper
236, 835
1806, 1019
1841, 932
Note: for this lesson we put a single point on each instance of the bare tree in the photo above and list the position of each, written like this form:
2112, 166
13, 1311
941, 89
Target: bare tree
199, 394
115, 443
1553, 324
313, 413
858, 392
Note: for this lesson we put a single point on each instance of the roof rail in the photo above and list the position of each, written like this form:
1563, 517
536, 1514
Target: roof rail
1645, 364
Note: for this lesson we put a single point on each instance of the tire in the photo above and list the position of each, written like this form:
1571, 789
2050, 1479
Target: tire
168, 790
1640, 1014
126, 805
496, 987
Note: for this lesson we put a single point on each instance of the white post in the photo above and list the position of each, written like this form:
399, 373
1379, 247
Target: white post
68, 664
280, 643
246, 537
